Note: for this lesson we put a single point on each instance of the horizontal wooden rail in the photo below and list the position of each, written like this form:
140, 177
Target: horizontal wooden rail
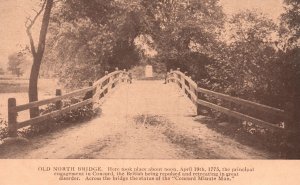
243, 102
188, 79
89, 96
109, 76
238, 115
193, 91
54, 114
52, 100
102, 89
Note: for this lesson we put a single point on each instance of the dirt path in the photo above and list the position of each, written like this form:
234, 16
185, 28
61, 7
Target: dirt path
146, 119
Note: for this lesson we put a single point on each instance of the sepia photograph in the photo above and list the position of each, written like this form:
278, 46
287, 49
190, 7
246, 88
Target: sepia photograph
150, 79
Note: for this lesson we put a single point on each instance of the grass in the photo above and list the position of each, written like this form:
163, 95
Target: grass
257, 137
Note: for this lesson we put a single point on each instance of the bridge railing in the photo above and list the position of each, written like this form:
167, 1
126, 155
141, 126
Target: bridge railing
199, 96
89, 95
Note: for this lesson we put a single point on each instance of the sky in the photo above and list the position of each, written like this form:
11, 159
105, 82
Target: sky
272, 8
13, 15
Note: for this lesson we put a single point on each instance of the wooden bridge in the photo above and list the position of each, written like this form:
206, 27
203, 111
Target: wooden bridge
141, 116
92, 94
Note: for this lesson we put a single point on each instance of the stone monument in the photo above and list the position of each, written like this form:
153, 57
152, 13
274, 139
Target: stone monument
149, 71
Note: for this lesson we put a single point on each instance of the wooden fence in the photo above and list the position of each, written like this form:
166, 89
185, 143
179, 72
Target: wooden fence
198, 96
89, 95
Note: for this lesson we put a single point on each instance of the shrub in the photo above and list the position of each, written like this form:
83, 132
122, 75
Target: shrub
79, 115
3, 129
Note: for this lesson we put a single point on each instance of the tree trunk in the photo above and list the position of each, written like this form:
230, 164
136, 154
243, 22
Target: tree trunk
37, 59
33, 89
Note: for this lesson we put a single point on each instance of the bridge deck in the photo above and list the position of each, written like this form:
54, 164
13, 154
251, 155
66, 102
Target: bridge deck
146, 119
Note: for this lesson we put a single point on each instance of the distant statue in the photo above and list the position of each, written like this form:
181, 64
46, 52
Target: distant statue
149, 71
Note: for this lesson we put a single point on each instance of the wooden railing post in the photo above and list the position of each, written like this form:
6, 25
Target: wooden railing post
171, 75
127, 80
108, 81
167, 78
123, 75
118, 77
178, 69
58, 104
12, 118
92, 92
199, 96
182, 82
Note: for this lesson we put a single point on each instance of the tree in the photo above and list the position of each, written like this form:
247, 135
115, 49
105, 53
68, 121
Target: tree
290, 56
291, 20
17, 63
37, 53
251, 57
179, 25
81, 42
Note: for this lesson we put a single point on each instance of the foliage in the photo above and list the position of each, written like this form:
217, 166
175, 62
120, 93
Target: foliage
78, 34
252, 135
291, 21
290, 56
248, 65
79, 115
84, 44
3, 128
182, 25
17, 63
